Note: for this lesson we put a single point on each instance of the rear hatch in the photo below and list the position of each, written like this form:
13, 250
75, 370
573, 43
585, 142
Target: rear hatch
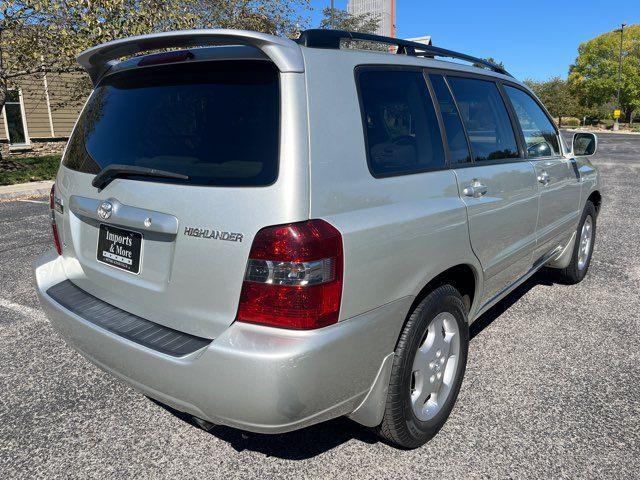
174, 250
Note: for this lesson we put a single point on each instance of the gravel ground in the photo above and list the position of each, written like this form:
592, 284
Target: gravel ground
552, 388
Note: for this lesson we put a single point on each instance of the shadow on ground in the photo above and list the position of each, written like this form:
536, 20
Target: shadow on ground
542, 277
317, 439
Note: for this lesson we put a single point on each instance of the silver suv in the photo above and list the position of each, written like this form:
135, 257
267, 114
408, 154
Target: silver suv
266, 233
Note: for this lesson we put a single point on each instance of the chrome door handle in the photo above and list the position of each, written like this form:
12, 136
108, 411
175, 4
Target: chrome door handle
475, 189
543, 178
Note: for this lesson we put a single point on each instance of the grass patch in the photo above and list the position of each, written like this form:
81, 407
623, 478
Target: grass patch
29, 169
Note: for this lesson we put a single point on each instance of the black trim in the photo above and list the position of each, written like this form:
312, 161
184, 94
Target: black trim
443, 130
331, 39
464, 127
127, 325
515, 122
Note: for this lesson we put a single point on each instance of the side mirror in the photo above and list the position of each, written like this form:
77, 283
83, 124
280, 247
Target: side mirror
584, 144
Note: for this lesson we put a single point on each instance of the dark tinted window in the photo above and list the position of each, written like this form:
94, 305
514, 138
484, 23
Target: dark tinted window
456, 140
15, 122
539, 133
486, 118
401, 126
217, 122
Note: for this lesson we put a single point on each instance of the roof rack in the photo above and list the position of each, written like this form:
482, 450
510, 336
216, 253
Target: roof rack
321, 38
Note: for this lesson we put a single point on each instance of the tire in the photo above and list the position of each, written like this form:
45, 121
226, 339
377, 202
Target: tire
408, 422
579, 265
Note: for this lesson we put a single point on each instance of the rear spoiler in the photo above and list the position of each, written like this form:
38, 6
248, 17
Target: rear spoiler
285, 53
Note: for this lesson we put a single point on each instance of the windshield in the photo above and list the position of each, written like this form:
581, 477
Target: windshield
215, 122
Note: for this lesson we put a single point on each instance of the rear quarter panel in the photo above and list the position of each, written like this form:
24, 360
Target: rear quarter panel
398, 232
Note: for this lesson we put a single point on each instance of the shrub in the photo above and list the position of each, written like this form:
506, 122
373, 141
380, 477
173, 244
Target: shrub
30, 169
570, 122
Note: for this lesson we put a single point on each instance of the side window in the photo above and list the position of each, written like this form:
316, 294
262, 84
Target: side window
401, 128
539, 133
456, 139
485, 116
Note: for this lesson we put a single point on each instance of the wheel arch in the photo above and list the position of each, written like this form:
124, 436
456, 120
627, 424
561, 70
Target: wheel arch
464, 277
467, 279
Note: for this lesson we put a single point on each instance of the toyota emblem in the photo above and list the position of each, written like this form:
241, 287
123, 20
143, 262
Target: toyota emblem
104, 210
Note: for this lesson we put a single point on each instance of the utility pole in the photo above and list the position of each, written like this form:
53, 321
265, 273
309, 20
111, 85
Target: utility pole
333, 20
616, 124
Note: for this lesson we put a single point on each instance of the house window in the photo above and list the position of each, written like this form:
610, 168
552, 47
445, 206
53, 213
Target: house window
14, 119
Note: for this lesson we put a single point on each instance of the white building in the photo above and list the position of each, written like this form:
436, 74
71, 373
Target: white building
384, 9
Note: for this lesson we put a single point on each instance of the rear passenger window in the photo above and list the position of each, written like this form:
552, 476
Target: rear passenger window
456, 140
539, 133
401, 128
485, 116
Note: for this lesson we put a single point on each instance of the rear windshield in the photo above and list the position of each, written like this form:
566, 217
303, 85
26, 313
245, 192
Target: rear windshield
216, 122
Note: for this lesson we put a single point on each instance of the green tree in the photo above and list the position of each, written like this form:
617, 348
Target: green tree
338, 19
489, 59
593, 78
556, 96
41, 36
277, 17
494, 61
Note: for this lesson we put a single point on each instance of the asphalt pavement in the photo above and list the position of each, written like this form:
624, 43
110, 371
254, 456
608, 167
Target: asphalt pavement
552, 387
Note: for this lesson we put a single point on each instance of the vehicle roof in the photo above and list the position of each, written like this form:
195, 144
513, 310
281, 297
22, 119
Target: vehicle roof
239, 44
358, 57
372, 57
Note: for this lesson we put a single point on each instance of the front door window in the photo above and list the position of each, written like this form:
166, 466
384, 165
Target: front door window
539, 133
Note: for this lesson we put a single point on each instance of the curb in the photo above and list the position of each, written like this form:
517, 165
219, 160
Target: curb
597, 132
25, 190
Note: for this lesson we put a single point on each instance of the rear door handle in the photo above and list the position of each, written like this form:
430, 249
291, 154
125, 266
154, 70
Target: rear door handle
543, 178
476, 189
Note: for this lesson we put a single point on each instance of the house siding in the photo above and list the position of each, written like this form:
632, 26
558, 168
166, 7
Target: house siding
35, 107
65, 104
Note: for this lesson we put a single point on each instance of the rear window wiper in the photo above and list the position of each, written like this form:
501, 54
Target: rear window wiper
111, 172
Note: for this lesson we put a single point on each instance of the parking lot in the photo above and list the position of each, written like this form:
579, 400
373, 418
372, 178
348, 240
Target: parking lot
552, 387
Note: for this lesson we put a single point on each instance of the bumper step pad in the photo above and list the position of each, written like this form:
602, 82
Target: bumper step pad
144, 332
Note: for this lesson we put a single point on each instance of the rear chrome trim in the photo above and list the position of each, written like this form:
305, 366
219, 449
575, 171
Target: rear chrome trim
135, 218
136, 329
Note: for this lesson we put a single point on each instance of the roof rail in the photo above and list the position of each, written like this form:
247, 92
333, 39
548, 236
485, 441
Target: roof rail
320, 38
283, 52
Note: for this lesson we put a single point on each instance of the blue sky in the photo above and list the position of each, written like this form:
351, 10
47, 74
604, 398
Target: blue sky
534, 39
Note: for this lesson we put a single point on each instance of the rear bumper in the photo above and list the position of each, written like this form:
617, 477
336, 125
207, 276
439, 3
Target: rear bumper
251, 377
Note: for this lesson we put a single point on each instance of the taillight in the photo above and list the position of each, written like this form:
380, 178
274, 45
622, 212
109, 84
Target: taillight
55, 205
293, 277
